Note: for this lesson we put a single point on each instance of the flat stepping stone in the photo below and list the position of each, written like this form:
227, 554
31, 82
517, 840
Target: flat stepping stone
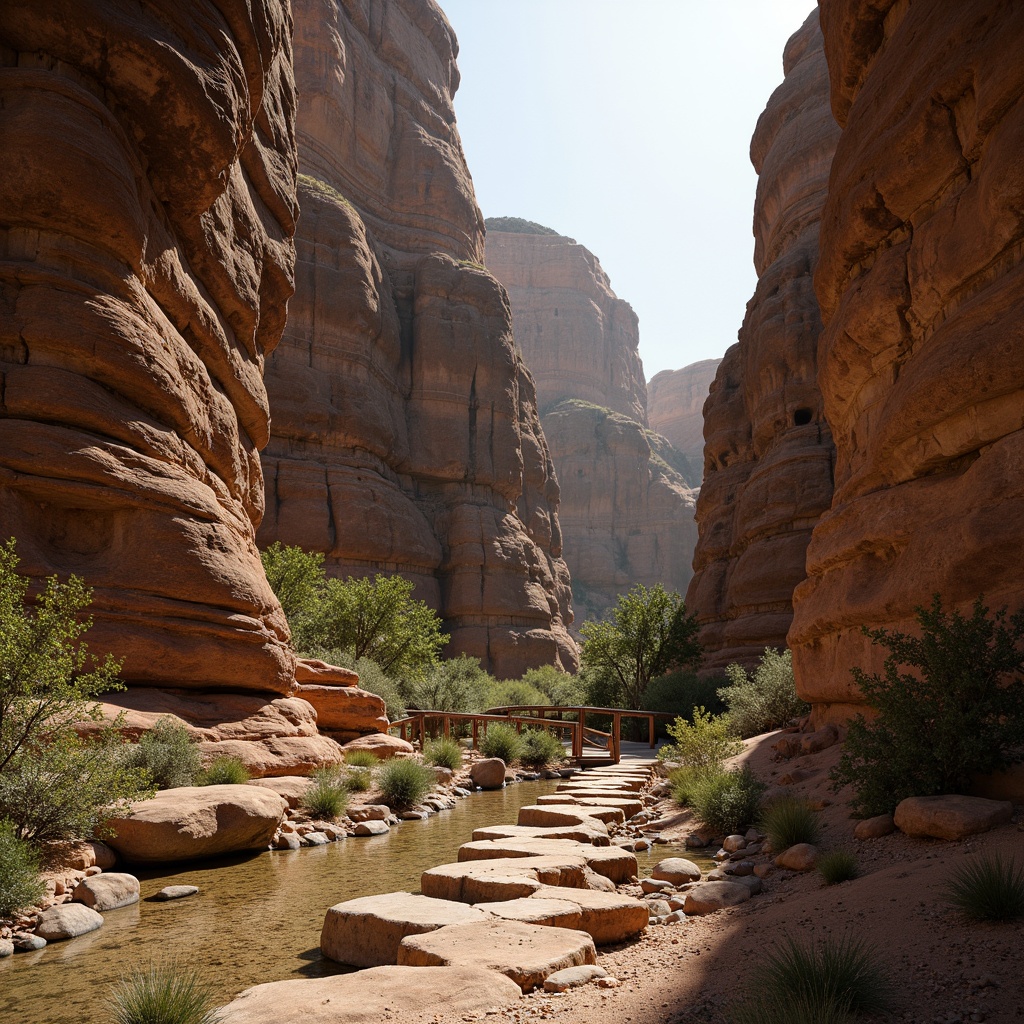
676, 870
374, 995
67, 921
591, 831
546, 815
526, 953
572, 977
627, 806
624, 782
367, 932
610, 861
950, 817
175, 892
108, 891
608, 917
503, 878
552, 913
709, 897
597, 792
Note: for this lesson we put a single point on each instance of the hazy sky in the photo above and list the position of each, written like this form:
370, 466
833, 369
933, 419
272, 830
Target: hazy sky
626, 124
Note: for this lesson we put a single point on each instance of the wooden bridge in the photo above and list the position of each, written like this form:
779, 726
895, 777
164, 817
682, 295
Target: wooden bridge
587, 746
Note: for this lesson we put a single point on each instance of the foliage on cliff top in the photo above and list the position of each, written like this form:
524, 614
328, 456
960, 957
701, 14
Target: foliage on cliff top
517, 226
958, 712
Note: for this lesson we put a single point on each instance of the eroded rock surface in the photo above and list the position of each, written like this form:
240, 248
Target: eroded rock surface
626, 507
768, 450
920, 282
405, 435
675, 409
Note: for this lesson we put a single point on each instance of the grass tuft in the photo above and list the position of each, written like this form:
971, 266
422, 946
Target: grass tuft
988, 888
541, 748
404, 782
358, 780
163, 994
361, 759
788, 821
837, 866
224, 771
502, 741
20, 884
444, 754
727, 801
327, 798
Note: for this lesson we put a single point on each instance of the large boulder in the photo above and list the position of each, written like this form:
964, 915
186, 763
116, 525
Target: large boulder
950, 816
607, 917
488, 773
381, 745
345, 712
677, 870
195, 822
709, 897
108, 891
67, 921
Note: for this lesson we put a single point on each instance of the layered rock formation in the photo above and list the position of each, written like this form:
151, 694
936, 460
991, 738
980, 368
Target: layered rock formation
626, 509
675, 409
768, 451
405, 435
921, 283
148, 201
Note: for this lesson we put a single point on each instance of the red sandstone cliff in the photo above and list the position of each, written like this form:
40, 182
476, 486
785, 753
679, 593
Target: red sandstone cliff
405, 435
768, 450
675, 409
921, 285
626, 511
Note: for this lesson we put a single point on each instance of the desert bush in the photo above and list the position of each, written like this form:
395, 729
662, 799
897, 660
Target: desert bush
457, 684
702, 744
764, 699
683, 781
224, 771
20, 884
361, 759
167, 753
679, 693
959, 712
560, 688
726, 801
987, 888
788, 821
837, 866
163, 994
404, 782
502, 741
327, 798
823, 982
358, 780
444, 754
514, 693
540, 748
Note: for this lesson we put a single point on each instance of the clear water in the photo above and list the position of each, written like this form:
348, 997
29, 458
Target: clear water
256, 918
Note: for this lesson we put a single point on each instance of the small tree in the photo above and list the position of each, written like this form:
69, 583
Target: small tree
297, 579
648, 634
959, 712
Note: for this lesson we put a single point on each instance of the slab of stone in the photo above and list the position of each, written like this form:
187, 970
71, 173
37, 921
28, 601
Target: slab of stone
316, 839
591, 831
195, 822
369, 812
374, 827
548, 815
552, 913
381, 745
488, 773
951, 816
503, 878
107, 891
175, 892
526, 953
709, 897
374, 995
367, 932
801, 857
612, 862
677, 870
874, 828
292, 787
572, 977
67, 921
608, 917
629, 807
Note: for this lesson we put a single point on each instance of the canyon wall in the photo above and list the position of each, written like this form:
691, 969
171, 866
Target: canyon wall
405, 436
675, 409
148, 205
626, 509
921, 283
768, 449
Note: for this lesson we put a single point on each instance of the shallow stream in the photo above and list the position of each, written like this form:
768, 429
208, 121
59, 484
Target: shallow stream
256, 918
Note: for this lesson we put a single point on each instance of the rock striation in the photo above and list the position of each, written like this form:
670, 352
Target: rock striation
405, 435
626, 508
920, 280
148, 201
768, 455
675, 409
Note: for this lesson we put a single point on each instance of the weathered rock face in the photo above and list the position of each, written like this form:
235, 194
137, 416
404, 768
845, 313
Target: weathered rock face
675, 409
405, 434
920, 282
768, 451
626, 510
148, 201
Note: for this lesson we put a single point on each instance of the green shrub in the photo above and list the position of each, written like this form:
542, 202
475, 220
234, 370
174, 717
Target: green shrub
515, 693
679, 693
444, 754
327, 798
703, 744
224, 771
404, 782
372, 678
837, 866
457, 684
560, 688
361, 759
988, 888
297, 578
765, 699
788, 821
358, 780
167, 994
822, 982
20, 884
958, 713
726, 801
541, 748
683, 781
502, 741
167, 753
